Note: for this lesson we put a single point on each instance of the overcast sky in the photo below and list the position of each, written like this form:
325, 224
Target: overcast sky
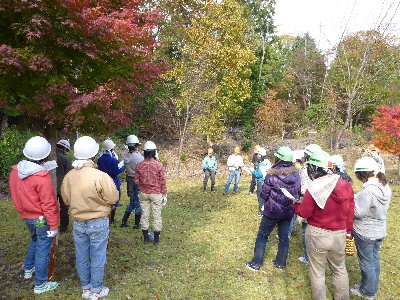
326, 20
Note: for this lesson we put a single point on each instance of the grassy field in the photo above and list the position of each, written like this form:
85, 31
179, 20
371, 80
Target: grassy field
206, 240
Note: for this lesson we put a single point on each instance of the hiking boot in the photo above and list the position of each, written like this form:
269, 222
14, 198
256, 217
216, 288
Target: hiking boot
137, 221
86, 293
252, 266
28, 273
355, 291
156, 238
103, 293
45, 287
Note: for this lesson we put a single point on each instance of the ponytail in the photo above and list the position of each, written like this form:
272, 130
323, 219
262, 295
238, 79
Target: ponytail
382, 178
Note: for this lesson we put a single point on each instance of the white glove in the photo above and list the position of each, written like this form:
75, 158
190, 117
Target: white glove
164, 200
52, 233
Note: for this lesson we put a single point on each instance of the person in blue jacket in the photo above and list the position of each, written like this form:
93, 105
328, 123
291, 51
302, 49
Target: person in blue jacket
259, 172
108, 163
210, 166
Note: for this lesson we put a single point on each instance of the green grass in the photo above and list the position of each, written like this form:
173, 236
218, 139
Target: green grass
206, 240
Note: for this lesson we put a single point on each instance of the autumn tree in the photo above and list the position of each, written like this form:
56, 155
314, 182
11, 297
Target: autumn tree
74, 64
360, 76
386, 130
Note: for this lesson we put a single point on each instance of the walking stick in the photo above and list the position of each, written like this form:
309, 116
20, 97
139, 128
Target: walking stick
52, 256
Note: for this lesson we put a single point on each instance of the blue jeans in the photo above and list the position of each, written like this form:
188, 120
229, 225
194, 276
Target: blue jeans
38, 255
368, 257
264, 231
91, 238
133, 193
236, 175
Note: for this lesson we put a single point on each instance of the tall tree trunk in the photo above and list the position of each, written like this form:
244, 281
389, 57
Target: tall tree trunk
182, 136
263, 42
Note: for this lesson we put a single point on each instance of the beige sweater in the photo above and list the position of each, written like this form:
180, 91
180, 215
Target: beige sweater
89, 192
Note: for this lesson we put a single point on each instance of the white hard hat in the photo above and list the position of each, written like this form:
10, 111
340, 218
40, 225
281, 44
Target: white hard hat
85, 147
132, 139
149, 145
366, 163
108, 144
297, 155
261, 151
64, 143
311, 148
37, 148
337, 160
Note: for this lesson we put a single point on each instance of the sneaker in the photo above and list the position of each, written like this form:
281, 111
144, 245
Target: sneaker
251, 266
304, 260
45, 287
278, 266
103, 293
28, 273
86, 294
355, 291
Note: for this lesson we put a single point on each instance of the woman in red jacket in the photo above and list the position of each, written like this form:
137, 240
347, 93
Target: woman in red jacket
328, 206
33, 195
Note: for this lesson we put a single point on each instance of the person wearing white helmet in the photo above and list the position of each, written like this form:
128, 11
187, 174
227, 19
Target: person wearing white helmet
150, 176
108, 163
131, 159
254, 160
90, 195
64, 165
370, 215
33, 195
328, 206
338, 168
259, 172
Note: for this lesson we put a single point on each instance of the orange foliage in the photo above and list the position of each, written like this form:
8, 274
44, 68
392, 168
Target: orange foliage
386, 128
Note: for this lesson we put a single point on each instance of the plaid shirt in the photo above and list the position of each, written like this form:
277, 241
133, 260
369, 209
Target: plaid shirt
150, 176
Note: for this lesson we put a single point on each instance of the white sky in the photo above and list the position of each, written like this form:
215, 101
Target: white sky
325, 20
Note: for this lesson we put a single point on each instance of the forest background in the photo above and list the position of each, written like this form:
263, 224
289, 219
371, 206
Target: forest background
189, 74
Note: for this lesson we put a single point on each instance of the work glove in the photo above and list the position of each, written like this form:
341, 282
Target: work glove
52, 233
164, 200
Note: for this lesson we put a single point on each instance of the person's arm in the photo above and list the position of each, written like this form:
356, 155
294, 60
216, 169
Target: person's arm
48, 201
350, 212
362, 204
266, 188
162, 180
109, 192
204, 164
230, 162
305, 209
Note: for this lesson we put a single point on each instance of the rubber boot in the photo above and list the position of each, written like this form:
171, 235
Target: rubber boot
146, 236
125, 219
156, 237
137, 221
112, 215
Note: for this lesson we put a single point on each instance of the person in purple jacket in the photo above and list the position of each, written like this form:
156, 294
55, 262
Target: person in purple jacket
282, 177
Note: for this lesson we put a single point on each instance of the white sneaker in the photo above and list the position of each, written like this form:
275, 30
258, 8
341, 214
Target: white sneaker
28, 273
86, 294
304, 260
355, 291
103, 293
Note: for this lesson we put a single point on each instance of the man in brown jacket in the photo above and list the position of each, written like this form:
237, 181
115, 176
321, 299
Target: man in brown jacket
90, 194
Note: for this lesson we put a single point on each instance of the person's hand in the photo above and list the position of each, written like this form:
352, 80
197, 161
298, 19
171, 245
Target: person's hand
164, 200
52, 233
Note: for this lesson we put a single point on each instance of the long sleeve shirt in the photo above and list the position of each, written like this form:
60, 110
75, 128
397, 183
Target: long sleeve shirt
210, 163
235, 161
150, 177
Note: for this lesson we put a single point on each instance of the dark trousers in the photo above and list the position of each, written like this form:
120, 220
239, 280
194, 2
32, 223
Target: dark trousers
252, 183
64, 217
209, 174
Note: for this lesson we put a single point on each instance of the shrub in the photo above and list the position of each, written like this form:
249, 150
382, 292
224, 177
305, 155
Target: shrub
11, 145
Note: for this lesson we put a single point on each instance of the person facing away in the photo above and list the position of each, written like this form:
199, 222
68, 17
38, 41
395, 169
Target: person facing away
235, 164
278, 209
90, 195
338, 168
210, 167
33, 196
150, 177
369, 231
131, 159
108, 163
64, 165
328, 206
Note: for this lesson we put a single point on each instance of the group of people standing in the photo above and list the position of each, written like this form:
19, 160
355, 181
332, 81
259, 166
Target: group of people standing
90, 193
